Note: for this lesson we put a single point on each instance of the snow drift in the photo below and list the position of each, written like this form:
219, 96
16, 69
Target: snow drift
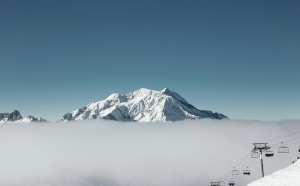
142, 105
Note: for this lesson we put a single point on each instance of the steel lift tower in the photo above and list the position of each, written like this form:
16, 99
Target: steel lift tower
260, 148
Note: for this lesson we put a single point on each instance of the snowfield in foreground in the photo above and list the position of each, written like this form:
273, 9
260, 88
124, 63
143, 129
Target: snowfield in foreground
286, 177
107, 153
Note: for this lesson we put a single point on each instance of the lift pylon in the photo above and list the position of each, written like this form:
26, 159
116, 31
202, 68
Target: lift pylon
260, 148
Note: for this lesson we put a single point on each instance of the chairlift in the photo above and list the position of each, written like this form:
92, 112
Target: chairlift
247, 172
254, 155
235, 172
283, 149
299, 148
215, 183
269, 153
231, 183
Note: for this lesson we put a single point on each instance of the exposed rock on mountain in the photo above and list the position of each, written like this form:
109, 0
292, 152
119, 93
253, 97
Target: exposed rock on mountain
16, 116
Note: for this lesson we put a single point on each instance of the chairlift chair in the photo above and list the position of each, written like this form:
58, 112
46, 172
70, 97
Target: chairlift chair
269, 153
235, 172
231, 182
254, 155
215, 183
247, 172
283, 149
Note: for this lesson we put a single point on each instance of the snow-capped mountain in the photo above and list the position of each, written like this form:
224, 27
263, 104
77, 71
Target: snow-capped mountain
288, 176
142, 105
16, 116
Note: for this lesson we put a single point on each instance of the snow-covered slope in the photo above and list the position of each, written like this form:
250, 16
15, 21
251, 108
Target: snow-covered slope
286, 177
142, 105
16, 116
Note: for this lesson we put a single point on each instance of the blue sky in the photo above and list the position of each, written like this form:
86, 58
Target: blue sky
240, 58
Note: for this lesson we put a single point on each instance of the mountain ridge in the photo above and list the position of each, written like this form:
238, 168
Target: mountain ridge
143, 105
15, 116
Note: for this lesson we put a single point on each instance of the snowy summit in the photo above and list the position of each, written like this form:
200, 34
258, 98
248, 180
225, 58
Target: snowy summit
142, 105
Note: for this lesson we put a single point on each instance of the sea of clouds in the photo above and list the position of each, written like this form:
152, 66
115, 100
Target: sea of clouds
108, 153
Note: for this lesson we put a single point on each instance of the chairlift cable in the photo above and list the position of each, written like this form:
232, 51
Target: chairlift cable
236, 165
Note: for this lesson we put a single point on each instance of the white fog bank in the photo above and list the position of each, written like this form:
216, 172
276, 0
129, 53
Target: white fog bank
106, 153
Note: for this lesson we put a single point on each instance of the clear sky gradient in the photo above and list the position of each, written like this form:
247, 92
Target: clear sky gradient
241, 58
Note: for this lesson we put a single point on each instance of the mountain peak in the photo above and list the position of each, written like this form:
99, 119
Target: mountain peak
165, 90
142, 105
142, 91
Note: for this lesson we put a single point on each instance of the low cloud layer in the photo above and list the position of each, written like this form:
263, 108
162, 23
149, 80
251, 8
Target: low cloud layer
97, 153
